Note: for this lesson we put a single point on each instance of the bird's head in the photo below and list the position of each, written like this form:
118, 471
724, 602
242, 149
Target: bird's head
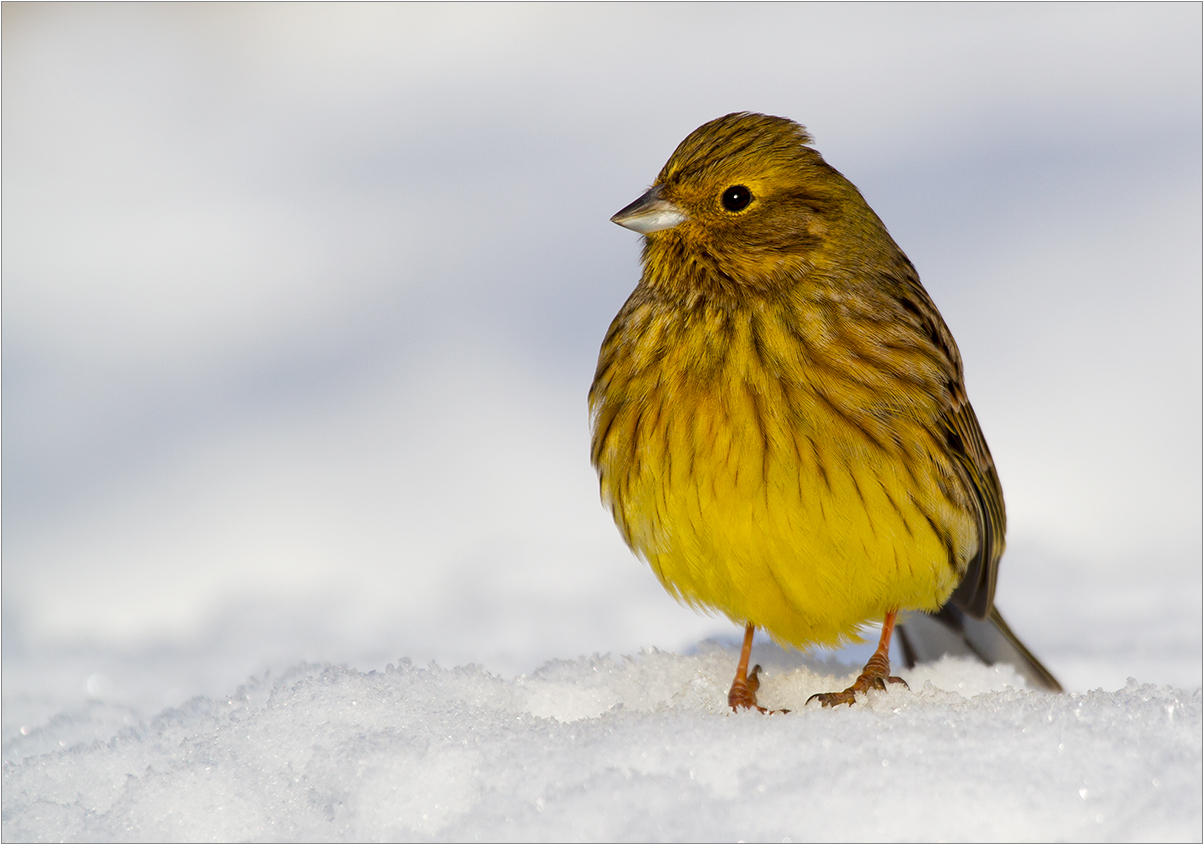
743, 204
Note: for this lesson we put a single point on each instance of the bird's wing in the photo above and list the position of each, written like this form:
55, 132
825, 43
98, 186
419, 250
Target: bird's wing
976, 592
965, 442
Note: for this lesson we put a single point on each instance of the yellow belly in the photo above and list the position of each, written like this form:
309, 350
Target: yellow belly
756, 497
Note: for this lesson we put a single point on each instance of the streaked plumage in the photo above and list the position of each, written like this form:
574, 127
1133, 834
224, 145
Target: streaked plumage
780, 424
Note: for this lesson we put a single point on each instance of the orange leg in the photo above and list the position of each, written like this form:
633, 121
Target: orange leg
875, 675
744, 688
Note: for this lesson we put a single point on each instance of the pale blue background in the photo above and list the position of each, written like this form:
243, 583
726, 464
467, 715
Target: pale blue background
301, 304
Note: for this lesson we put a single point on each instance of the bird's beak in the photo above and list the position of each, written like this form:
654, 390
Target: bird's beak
650, 213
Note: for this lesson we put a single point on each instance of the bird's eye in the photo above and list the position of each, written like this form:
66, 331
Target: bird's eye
736, 198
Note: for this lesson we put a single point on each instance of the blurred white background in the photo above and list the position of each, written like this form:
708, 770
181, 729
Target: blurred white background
301, 304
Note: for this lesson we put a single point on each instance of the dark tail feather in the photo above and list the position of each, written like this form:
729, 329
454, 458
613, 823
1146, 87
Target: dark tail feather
927, 637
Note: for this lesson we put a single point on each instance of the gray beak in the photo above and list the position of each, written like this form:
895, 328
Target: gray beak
650, 213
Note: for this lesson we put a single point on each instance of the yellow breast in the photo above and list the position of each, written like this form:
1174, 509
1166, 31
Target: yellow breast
766, 474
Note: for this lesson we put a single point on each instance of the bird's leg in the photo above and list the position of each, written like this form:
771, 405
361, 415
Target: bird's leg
875, 675
744, 688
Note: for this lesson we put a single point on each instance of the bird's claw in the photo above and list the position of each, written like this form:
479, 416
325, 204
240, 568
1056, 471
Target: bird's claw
743, 693
866, 681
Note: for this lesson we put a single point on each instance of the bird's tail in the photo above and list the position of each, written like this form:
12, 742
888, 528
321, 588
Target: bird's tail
926, 637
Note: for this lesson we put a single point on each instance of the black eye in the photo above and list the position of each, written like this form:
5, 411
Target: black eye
737, 198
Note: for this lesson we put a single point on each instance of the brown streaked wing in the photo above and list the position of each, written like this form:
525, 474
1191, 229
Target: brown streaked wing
976, 592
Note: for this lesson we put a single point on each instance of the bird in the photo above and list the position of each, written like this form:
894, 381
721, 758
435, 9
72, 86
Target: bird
780, 425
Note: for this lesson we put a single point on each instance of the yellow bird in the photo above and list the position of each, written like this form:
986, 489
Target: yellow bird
780, 422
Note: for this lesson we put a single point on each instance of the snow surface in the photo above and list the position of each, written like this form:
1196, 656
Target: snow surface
634, 748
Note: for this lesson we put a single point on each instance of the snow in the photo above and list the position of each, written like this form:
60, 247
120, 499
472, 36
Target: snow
632, 748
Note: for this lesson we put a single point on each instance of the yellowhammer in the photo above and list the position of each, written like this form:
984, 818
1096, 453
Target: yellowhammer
780, 422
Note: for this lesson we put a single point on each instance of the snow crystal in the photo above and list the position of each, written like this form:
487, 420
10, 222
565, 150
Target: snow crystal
633, 748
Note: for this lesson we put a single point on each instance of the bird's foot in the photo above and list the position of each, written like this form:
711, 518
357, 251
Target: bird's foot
743, 693
876, 675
